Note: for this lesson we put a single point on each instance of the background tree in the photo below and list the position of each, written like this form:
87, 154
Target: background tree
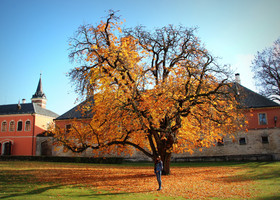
266, 69
159, 92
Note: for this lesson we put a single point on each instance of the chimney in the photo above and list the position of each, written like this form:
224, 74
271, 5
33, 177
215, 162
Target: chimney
23, 101
237, 78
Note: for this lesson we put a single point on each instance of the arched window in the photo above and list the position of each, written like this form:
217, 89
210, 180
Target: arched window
12, 125
27, 125
4, 126
7, 148
19, 126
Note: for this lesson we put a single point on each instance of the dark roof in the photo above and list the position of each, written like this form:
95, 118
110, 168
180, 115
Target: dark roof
26, 108
247, 98
251, 99
45, 134
39, 92
81, 111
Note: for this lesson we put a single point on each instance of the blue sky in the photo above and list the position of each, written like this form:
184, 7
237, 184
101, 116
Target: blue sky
34, 37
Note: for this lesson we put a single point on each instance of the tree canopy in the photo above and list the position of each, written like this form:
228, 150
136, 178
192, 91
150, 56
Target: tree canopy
159, 92
266, 69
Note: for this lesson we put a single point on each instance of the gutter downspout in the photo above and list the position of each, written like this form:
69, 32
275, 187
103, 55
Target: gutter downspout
33, 133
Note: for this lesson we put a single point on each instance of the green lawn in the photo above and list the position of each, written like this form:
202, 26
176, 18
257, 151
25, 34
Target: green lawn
19, 180
267, 178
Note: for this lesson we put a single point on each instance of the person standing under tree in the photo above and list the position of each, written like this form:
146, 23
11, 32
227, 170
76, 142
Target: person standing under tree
158, 170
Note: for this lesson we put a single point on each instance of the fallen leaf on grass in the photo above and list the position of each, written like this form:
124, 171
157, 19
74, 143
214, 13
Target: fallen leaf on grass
191, 183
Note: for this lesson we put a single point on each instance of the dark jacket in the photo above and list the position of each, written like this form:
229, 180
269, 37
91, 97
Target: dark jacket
158, 166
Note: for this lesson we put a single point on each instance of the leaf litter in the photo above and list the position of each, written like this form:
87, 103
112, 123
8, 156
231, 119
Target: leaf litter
187, 182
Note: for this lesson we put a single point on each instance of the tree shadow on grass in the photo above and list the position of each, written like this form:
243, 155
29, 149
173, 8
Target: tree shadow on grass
277, 197
257, 171
76, 194
21, 183
262, 176
15, 183
32, 192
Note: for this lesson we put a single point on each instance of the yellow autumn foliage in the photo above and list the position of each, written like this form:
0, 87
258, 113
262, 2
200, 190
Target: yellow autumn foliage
158, 92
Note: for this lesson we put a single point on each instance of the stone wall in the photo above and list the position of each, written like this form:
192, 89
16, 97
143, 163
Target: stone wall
254, 142
258, 144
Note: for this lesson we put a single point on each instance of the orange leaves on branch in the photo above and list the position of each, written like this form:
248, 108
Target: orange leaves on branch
148, 86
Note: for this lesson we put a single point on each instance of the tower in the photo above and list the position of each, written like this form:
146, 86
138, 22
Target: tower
39, 97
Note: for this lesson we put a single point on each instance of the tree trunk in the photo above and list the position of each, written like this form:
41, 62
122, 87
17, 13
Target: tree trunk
166, 163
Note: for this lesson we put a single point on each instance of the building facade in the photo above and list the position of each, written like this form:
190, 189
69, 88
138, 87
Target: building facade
261, 141
21, 123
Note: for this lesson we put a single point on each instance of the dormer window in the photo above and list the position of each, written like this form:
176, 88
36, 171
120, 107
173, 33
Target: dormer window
262, 119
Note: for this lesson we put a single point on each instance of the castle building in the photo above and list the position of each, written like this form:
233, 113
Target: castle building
260, 142
21, 123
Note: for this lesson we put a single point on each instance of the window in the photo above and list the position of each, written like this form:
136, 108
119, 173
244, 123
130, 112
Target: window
19, 126
242, 141
68, 127
12, 125
220, 142
265, 139
262, 119
4, 126
27, 125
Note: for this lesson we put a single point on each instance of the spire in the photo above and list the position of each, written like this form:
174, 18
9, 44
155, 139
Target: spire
39, 97
39, 92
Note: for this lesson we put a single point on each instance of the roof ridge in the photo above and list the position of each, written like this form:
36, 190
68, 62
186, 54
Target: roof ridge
76, 111
252, 99
34, 107
261, 95
14, 104
44, 111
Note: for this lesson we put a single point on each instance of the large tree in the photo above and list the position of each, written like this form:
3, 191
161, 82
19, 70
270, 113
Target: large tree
159, 92
266, 69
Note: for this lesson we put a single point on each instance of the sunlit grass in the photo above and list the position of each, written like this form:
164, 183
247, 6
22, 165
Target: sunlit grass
216, 180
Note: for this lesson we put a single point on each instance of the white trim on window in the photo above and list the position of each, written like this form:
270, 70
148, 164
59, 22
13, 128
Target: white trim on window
19, 121
10, 127
2, 126
27, 127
